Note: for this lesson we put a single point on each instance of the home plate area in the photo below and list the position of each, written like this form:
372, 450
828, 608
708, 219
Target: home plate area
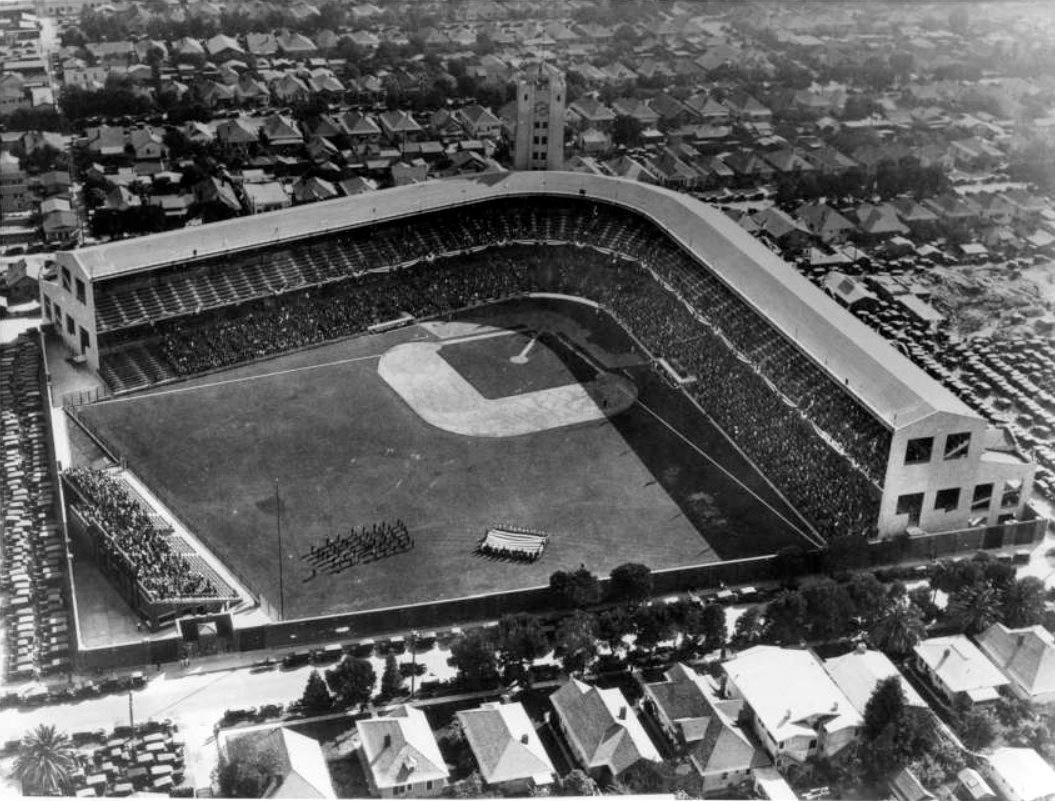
480, 381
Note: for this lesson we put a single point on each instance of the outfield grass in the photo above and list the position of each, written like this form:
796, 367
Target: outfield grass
347, 451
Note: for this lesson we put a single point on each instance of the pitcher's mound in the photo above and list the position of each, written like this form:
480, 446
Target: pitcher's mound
492, 384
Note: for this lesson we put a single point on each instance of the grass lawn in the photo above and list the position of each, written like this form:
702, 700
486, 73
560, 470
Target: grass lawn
348, 452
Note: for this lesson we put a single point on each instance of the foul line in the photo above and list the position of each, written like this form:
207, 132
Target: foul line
126, 398
711, 459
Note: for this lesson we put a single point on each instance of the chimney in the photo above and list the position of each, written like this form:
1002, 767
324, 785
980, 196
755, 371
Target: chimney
524, 738
622, 713
388, 741
835, 707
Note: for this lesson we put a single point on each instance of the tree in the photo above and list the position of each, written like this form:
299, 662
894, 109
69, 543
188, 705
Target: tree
974, 608
578, 589
712, 627
749, 626
391, 679
578, 783
626, 131
352, 681
786, 617
250, 765
978, 728
789, 563
898, 629
922, 597
612, 626
630, 583
473, 654
45, 761
520, 642
652, 625
316, 699
885, 707
828, 610
845, 553
1023, 603
576, 641
868, 595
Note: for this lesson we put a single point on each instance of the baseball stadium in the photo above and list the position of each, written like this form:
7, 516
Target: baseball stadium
451, 390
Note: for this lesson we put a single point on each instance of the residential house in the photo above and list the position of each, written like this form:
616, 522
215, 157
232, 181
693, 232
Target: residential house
479, 122
14, 94
296, 45
631, 169
55, 182
749, 166
281, 133
1020, 774
362, 128
289, 89
795, 709
14, 193
636, 108
958, 670
21, 281
309, 189
212, 191
672, 171
237, 135
824, 222
787, 162
299, 765
973, 787
1027, 207
357, 185
507, 748
920, 220
266, 196
147, 145
400, 756
588, 112
251, 91
703, 728
906, 786
601, 729
745, 108
176, 206
399, 126
994, 208
403, 173
709, 110
952, 209
877, 222
1026, 656
782, 229
594, 141
261, 44
829, 161
975, 154
61, 227
106, 140
859, 672
672, 112
222, 48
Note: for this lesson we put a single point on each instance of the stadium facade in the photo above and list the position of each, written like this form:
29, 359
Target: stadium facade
946, 467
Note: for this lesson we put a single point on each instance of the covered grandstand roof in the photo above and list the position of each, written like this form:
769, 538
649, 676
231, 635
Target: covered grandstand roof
897, 392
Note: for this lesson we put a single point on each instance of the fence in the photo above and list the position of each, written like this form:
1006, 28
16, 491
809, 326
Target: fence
82, 397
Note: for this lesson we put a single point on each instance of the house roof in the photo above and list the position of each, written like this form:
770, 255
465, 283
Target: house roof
958, 663
1024, 773
265, 194
898, 392
1025, 655
907, 787
303, 772
400, 748
505, 744
858, 672
786, 687
821, 218
603, 726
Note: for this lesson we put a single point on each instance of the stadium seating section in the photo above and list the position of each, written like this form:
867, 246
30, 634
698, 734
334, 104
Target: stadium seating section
811, 437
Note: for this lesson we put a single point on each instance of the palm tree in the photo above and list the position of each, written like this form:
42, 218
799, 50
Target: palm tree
45, 761
975, 608
899, 628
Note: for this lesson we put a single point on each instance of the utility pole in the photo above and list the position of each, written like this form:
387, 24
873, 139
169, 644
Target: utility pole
281, 556
131, 716
413, 661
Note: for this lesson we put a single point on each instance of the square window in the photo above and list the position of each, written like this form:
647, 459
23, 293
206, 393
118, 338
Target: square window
1012, 494
957, 445
911, 505
70, 325
947, 499
86, 341
981, 498
66, 278
80, 290
918, 451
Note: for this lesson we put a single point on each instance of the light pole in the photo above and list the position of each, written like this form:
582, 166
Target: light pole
281, 556
413, 661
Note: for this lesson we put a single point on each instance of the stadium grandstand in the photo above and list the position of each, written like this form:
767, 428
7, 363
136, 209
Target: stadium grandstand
856, 436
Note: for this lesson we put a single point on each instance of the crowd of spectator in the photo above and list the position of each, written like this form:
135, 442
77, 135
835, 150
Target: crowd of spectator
129, 536
813, 439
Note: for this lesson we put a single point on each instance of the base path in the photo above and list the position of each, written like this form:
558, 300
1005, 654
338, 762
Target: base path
443, 398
